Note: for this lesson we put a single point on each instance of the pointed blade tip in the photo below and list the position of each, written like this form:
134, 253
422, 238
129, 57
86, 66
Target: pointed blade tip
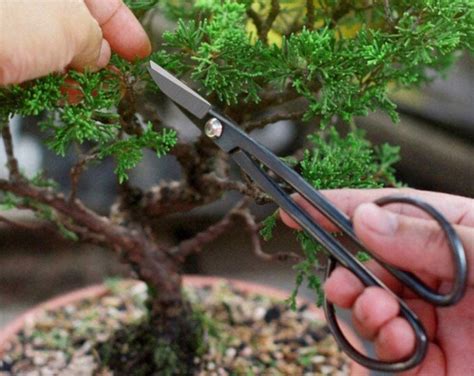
178, 92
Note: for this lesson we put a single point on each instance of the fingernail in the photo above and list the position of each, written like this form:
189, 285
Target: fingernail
104, 55
377, 219
359, 311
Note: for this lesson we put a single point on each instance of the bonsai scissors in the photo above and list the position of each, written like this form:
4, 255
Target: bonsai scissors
251, 156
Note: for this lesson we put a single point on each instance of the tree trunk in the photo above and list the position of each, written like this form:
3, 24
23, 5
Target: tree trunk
170, 317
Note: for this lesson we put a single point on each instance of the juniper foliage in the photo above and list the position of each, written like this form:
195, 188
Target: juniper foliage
329, 59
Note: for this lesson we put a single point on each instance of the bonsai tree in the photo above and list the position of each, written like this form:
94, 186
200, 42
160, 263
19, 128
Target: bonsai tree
313, 63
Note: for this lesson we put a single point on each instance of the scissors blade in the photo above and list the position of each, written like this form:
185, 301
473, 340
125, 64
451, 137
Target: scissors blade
179, 92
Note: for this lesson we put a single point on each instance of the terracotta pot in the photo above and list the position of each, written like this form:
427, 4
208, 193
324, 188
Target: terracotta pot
14, 327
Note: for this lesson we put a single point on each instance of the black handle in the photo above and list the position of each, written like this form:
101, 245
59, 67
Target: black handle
457, 253
456, 293
416, 358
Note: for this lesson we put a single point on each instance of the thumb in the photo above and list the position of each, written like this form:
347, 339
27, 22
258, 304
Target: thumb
412, 244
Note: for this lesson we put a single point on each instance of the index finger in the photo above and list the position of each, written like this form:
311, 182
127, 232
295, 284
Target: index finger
457, 210
120, 28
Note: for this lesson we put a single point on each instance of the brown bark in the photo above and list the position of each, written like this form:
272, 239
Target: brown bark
12, 163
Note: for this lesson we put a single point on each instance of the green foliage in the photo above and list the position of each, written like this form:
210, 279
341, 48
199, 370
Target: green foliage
343, 66
218, 51
333, 162
89, 115
31, 98
141, 5
336, 162
128, 153
82, 109
387, 156
268, 225
362, 165
305, 270
363, 256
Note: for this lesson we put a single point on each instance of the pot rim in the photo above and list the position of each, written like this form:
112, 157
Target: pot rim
13, 327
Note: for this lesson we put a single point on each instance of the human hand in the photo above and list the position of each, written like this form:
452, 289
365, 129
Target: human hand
43, 36
406, 238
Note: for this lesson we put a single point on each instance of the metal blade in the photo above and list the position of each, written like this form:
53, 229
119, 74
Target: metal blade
179, 92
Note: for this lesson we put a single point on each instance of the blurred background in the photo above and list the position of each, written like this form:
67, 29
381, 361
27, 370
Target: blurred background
436, 135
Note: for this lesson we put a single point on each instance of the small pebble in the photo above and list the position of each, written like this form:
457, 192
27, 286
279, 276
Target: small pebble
273, 313
318, 359
230, 352
259, 313
327, 370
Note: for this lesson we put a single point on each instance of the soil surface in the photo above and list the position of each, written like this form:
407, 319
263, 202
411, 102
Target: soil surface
244, 334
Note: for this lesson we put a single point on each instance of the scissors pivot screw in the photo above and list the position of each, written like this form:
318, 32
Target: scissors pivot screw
213, 128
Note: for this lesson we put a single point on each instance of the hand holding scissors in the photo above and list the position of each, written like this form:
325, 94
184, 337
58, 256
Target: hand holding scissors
406, 238
251, 157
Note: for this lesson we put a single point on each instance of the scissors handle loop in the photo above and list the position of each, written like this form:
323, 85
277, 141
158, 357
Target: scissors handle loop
456, 293
421, 343
458, 256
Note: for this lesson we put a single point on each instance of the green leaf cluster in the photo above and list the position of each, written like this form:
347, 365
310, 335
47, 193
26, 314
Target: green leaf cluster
31, 98
333, 161
343, 64
306, 270
86, 113
216, 51
129, 152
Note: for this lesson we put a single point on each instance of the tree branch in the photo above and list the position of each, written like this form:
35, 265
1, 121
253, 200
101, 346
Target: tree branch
310, 14
256, 20
268, 99
76, 172
153, 264
171, 197
261, 123
86, 235
82, 232
241, 210
274, 98
388, 12
12, 162
248, 190
115, 235
272, 16
254, 230
195, 244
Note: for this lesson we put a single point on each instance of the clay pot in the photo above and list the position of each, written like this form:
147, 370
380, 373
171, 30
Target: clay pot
14, 327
